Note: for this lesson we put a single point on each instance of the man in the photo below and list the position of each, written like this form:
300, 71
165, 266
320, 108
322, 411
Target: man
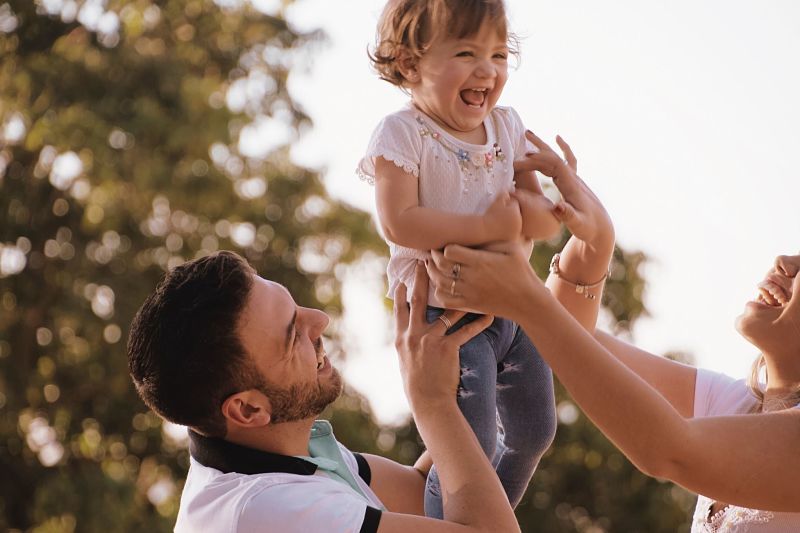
234, 358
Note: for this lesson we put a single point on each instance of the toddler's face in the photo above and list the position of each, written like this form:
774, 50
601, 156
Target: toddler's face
460, 80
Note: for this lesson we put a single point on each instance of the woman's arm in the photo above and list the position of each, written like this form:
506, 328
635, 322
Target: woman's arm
744, 460
585, 259
406, 223
673, 380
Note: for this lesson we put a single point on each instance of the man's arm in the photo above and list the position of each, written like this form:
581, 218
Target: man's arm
399, 487
408, 224
474, 499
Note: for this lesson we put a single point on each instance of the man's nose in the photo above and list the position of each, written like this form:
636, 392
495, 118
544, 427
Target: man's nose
317, 321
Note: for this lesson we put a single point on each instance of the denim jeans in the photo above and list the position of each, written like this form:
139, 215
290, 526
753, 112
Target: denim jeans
506, 395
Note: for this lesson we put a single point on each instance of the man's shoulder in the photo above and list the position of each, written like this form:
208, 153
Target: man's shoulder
238, 502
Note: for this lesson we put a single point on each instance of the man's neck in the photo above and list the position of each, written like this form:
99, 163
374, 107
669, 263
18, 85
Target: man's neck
286, 438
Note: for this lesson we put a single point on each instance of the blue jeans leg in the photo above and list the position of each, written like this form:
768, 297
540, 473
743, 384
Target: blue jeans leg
476, 399
526, 409
503, 380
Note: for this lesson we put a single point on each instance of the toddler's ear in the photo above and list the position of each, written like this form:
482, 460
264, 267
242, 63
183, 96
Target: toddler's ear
407, 65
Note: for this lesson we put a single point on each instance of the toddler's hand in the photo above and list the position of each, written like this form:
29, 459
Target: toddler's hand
503, 220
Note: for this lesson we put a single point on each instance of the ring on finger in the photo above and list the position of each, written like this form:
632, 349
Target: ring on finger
445, 321
453, 287
456, 270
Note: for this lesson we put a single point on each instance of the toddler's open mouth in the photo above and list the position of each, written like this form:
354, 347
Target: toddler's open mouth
474, 97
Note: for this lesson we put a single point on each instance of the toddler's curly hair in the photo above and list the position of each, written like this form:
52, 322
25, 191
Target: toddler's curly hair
412, 25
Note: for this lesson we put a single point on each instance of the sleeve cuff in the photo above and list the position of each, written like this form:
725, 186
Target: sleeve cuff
364, 470
372, 518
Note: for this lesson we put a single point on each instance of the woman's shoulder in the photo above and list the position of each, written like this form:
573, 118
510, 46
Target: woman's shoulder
720, 394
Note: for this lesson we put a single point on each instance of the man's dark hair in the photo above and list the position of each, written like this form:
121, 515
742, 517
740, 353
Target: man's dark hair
184, 353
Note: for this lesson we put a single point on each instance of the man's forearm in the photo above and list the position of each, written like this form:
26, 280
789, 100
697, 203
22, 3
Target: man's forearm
471, 492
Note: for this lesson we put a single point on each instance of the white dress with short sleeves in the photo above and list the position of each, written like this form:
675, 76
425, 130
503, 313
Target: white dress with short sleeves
719, 395
454, 176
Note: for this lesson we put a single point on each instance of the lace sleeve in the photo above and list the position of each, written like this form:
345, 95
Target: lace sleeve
396, 140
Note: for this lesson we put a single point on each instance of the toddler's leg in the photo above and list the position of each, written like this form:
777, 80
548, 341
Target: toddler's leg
526, 407
476, 399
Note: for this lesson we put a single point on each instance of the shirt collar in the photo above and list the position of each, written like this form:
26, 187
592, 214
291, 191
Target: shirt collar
227, 457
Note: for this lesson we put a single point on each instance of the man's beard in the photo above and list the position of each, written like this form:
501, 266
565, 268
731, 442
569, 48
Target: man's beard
302, 401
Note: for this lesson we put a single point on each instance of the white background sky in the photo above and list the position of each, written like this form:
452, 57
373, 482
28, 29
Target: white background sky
683, 115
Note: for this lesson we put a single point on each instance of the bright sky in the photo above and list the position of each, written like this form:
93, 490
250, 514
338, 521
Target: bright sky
684, 119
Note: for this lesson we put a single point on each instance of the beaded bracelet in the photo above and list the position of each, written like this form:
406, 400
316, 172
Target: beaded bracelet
580, 288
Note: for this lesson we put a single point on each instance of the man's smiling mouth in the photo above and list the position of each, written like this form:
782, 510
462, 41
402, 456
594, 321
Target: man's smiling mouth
320, 354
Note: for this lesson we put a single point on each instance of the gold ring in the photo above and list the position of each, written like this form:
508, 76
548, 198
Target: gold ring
445, 321
456, 270
453, 287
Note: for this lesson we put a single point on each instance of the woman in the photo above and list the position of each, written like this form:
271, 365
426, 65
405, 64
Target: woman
671, 420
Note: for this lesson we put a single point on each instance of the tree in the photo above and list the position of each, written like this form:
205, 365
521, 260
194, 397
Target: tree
135, 135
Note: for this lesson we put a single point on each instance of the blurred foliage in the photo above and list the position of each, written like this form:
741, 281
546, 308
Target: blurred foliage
135, 135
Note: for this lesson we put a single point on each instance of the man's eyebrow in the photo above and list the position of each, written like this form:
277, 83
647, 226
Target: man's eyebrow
289, 330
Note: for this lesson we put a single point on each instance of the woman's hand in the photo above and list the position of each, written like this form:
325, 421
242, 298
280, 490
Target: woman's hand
428, 355
493, 280
579, 209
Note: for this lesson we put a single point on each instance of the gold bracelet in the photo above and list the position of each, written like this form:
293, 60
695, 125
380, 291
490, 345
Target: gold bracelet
580, 288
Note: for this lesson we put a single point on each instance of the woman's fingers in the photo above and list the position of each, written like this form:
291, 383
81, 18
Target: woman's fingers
461, 254
569, 156
537, 142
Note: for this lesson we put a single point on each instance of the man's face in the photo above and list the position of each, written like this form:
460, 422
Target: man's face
285, 341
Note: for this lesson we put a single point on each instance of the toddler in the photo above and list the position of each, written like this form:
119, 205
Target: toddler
442, 167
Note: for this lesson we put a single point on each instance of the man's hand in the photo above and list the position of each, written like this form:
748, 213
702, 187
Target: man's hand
428, 356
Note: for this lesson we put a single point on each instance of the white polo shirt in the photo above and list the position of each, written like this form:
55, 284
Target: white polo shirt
232, 488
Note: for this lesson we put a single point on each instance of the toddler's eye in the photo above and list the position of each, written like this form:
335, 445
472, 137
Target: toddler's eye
464, 53
501, 56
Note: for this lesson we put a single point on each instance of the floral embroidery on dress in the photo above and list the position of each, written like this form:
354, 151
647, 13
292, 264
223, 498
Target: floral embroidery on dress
466, 160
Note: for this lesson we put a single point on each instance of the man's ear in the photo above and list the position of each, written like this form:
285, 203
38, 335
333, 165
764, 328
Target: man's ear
247, 409
408, 66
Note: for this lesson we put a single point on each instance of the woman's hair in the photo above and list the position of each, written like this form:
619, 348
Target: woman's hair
754, 383
412, 25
